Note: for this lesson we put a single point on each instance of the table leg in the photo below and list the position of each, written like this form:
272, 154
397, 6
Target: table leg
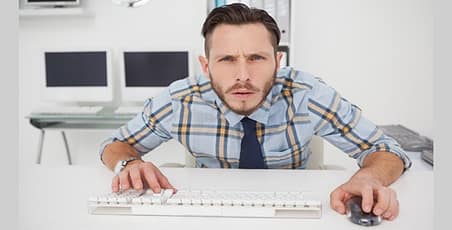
67, 148
41, 142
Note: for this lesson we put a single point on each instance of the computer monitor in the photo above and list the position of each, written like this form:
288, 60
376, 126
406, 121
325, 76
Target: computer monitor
77, 76
146, 73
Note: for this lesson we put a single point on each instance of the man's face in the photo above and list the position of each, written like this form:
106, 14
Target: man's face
241, 65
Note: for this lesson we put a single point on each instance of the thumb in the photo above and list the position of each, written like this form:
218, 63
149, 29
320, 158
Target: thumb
337, 200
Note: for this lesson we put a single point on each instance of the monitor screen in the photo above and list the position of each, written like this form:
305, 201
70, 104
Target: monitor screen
76, 69
82, 75
155, 69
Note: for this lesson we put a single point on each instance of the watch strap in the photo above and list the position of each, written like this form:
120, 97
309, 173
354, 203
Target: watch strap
123, 163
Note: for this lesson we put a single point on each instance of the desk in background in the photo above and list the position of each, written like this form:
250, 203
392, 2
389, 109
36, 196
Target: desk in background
56, 198
73, 121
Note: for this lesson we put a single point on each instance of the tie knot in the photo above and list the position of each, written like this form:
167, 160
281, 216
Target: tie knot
248, 123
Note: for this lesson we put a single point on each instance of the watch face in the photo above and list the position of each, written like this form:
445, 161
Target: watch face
122, 164
119, 166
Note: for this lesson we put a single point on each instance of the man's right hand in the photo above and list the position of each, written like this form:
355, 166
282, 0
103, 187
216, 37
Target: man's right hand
139, 174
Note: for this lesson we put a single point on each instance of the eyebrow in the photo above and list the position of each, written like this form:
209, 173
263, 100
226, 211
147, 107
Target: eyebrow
262, 53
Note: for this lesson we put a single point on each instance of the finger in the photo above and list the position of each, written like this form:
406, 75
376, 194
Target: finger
367, 198
393, 209
337, 198
383, 201
115, 184
164, 182
124, 180
397, 211
135, 177
151, 179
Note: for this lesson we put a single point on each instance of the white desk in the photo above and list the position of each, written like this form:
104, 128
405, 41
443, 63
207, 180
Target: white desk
56, 198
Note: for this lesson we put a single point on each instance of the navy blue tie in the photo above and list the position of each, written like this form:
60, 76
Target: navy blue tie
250, 153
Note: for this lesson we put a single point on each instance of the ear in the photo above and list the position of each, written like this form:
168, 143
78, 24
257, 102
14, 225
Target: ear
279, 55
204, 62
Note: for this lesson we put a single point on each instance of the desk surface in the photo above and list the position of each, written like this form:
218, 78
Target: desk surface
79, 121
56, 198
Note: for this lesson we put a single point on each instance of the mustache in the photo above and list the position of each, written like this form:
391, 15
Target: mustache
245, 85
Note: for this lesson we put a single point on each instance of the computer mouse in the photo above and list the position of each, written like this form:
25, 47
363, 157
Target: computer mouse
356, 215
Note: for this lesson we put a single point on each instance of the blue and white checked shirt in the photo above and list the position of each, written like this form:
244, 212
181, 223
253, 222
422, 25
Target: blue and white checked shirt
298, 107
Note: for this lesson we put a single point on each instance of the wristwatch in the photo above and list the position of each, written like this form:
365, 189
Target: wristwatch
122, 164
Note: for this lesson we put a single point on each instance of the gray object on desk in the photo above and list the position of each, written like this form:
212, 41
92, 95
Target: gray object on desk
427, 155
410, 140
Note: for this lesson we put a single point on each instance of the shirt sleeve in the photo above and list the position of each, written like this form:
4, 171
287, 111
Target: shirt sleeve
149, 128
342, 124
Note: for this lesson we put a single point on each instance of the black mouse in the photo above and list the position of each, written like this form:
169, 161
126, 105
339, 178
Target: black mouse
356, 215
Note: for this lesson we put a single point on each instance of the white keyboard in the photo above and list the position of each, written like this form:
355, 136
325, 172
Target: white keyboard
68, 110
207, 203
128, 109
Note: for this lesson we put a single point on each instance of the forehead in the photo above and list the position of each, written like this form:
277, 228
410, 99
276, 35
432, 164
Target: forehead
246, 38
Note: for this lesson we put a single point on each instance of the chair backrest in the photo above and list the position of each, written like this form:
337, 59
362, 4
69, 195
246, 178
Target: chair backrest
315, 160
190, 161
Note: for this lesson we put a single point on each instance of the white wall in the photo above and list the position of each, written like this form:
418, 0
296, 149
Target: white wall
377, 53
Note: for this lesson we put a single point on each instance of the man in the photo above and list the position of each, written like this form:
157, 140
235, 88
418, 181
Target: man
246, 113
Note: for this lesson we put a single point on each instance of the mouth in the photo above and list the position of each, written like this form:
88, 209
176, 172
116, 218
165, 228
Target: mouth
243, 93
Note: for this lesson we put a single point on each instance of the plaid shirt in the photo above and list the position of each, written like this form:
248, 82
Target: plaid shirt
298, 106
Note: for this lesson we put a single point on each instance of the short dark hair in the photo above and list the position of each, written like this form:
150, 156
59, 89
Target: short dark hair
239, 14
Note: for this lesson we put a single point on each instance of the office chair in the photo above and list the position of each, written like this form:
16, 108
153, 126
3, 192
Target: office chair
316, 159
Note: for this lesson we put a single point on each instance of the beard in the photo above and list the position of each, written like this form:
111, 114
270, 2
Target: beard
244, 107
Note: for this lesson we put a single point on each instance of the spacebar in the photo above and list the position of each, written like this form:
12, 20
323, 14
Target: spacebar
224, 211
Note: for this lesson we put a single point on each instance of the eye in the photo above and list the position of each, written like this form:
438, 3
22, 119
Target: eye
226, 59
256, 57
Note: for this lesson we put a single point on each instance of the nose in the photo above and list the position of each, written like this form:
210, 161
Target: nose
242, 73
